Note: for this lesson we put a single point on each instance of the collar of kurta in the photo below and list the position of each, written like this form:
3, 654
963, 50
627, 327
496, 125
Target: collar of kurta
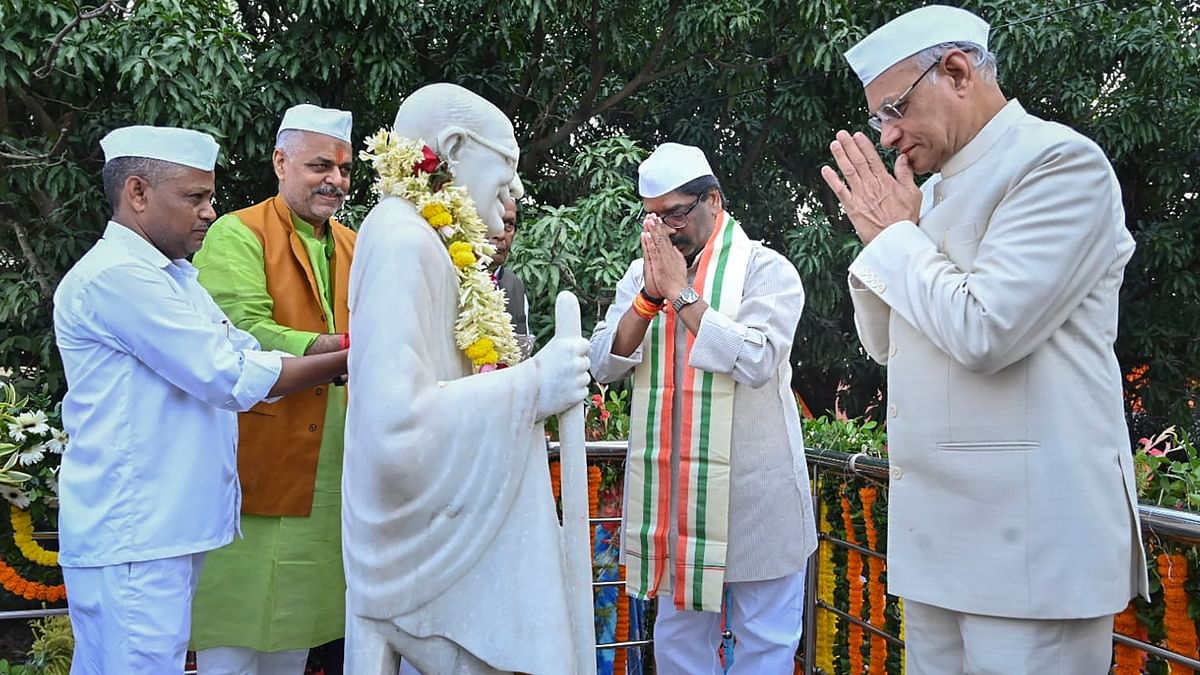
991, 132
137, 246
300, 226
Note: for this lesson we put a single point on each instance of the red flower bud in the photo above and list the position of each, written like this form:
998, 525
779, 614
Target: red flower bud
430, 161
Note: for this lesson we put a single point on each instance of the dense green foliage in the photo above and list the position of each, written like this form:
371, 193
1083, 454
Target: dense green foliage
591, 86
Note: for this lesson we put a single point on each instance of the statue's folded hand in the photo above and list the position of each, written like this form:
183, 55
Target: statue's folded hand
562, 373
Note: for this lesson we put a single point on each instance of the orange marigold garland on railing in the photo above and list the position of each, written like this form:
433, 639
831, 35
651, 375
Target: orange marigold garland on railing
22, 525
622, 633
14, 583
593, 491
1177, 624
878, 665
854, 570
556, 479
1128, 660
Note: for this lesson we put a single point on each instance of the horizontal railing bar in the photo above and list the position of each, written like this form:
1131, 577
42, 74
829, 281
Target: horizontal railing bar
859, 622
1155, 650
596, 449
606, 519
606, 584
625, 645
845, 544
32, 613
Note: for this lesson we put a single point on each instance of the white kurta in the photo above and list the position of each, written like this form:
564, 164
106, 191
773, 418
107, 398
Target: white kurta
772, 530
155, 377
1011, 489
449, 524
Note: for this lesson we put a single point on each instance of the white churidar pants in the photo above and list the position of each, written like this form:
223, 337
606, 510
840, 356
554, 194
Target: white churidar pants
943, 642
133, 618
766, 618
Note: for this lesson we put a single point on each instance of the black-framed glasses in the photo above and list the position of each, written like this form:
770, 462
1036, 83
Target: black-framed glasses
893, 112
676, 218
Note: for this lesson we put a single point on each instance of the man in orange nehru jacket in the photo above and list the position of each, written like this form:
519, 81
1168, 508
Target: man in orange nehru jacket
280, 270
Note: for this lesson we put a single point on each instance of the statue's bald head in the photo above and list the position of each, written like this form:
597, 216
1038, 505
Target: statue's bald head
472, 135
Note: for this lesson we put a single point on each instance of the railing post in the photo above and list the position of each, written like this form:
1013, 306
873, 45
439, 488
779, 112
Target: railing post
810, 584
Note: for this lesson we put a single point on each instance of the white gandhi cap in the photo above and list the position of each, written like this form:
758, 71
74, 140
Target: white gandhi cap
910, 33
669, 167
308, 117
168, 144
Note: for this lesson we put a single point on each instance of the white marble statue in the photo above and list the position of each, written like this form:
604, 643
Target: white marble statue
453, 550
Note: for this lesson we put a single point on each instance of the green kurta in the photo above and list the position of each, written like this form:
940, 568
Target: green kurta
281, 587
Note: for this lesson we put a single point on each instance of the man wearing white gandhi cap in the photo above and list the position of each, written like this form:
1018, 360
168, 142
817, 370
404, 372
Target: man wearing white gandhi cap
280, 270
990, 293
155, 377
718, 513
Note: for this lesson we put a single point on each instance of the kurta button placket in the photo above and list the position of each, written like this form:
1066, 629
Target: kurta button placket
312, 427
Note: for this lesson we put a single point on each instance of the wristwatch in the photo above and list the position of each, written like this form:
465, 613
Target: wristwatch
686, 297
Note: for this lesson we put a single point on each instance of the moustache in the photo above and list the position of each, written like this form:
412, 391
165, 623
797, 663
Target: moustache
330, 191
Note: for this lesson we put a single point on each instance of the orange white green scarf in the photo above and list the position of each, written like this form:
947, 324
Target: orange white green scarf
705, 437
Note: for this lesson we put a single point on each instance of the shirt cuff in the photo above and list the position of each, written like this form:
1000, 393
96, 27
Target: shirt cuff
260, 372
297, 342
718, 343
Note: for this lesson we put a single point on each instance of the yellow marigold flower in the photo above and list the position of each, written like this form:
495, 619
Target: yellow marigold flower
462, 254
482, 352
437, 215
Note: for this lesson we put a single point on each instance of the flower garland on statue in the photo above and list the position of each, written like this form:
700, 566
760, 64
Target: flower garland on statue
411, 170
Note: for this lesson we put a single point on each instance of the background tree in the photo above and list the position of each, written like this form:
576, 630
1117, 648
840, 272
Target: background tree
592, 86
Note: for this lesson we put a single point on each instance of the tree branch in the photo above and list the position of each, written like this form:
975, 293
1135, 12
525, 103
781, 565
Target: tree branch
40, 275
56, 43
535, 65
645, 75
33, 107
755, 152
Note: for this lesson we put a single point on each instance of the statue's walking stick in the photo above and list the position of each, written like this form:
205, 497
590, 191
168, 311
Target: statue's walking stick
577, 540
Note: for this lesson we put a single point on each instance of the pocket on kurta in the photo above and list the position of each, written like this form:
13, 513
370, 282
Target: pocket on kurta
961, 244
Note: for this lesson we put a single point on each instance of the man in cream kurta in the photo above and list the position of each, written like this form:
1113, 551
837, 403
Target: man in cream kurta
770, 524
991, 295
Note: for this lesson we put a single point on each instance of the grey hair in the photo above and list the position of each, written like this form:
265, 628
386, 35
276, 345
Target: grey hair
289, 141
118, 170
699, 187
985, 61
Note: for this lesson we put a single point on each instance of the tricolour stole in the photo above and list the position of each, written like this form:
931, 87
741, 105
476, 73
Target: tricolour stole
705, 437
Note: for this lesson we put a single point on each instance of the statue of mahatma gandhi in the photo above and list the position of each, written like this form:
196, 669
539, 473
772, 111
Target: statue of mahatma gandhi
453, 551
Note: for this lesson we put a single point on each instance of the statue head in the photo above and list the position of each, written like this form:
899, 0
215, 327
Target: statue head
474, 137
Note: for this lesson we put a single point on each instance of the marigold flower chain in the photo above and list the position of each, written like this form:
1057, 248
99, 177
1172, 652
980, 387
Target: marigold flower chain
854, 575
22, 526
483, 330
14, 583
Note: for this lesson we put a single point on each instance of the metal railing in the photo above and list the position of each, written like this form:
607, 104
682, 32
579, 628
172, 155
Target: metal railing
1156, 521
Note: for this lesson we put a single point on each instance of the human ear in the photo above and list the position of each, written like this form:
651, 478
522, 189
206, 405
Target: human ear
135, 193
959, 68
277, 159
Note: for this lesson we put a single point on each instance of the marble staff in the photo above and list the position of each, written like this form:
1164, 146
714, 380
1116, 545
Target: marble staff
576, 530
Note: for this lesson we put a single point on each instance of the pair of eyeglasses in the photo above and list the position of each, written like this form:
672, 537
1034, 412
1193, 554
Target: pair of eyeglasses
894, 111
676, 218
